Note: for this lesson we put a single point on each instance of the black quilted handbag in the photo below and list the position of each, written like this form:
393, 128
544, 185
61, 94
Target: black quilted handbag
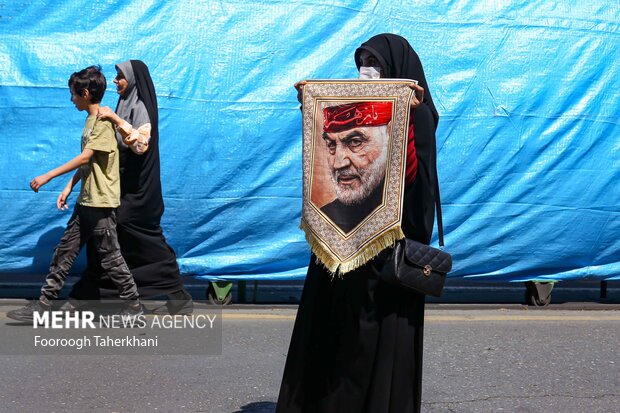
418, 266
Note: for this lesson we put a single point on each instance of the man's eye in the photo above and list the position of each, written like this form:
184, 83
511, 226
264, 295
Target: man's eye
354, 143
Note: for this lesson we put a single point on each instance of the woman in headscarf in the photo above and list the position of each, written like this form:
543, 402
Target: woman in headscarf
149, 257
357, 342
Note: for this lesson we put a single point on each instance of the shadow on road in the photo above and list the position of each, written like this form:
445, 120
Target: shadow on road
258, 407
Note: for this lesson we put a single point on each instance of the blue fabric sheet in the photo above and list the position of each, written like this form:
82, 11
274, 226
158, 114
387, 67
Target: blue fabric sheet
528, 141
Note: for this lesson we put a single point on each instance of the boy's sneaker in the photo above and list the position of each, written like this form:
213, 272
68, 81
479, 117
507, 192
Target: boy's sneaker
73, 305
132, 309
26, 313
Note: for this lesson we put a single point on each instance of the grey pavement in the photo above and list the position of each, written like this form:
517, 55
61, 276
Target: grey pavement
490, 358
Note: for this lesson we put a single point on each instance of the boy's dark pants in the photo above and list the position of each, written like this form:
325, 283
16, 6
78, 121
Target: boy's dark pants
100, 224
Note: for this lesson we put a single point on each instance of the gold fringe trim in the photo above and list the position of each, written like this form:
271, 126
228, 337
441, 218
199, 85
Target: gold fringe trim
371, 250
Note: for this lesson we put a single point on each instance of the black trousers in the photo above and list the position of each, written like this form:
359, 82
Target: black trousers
98, 224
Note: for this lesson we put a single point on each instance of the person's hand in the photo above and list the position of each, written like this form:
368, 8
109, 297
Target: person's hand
418, 95
130, 140
106, 113
39, 181
300, 90
61, 202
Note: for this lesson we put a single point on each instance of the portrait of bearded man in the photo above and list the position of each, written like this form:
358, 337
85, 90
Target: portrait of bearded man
356, 138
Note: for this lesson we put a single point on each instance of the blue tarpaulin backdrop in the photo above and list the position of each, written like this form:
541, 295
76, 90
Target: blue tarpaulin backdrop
528, 141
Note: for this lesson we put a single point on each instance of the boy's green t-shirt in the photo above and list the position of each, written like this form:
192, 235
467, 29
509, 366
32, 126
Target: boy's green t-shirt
100, 178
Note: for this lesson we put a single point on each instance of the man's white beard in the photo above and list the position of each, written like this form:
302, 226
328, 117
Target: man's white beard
370, 179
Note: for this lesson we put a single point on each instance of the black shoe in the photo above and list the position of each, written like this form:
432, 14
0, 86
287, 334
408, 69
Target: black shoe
180, 307
180, 302
26, 313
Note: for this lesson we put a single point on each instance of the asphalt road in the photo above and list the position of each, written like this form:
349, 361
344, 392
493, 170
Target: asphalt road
489, 359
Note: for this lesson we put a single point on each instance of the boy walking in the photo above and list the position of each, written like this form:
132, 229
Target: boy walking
94, 213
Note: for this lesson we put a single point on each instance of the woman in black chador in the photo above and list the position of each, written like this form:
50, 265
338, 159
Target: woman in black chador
357, 342
151, 260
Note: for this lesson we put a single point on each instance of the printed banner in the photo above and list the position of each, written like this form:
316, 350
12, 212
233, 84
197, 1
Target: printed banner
354, 155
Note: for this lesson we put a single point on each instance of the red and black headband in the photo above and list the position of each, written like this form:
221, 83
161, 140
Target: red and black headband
353, 115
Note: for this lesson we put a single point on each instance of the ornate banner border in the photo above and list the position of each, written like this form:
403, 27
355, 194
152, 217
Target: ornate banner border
343, 252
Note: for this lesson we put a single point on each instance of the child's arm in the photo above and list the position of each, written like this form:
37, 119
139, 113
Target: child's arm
81, 159
61, 202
